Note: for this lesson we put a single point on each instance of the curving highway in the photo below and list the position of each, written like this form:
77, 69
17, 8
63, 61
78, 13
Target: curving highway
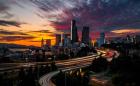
71, 64
66, 66
63, 65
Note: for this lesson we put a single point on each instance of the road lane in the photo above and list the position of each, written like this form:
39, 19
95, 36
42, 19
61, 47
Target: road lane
67, 66
70, 65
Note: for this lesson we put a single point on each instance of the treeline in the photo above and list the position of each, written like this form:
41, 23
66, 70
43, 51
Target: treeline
25, 76
124, 70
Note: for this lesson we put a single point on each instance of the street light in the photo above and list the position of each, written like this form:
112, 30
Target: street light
65, 79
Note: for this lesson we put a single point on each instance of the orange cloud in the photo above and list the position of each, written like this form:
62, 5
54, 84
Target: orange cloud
126, 31
29, 42
26, 38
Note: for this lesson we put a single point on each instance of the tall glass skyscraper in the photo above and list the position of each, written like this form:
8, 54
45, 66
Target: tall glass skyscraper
74, 34
85, 35
101, 40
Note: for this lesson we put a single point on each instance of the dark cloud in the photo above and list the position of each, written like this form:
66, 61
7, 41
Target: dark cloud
3, 6
100, 15
42, 31
6, 32
33, 41
11, 23
61, 25
14, 35
15, 38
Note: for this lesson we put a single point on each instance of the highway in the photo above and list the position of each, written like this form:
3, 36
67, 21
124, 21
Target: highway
71, 64
46, 79
67, 65
76, 61
63, 65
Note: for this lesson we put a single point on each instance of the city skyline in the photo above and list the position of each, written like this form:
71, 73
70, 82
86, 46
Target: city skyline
26, 22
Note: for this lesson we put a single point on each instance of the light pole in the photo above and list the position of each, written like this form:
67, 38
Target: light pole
54, 58
65, 79
37, 72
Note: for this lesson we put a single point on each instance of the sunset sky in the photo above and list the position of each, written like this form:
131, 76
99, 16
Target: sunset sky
27, 21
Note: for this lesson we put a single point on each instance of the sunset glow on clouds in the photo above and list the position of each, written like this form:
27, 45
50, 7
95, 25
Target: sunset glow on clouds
27, 21
126, 31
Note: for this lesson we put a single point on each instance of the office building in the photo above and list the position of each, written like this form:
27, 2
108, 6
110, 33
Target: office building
101, 39
42, 43
85, 35
58, 39
66, 40
74, 34
48, 42
137, 39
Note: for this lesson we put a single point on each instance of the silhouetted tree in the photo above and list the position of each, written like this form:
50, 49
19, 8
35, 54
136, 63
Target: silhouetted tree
99, 65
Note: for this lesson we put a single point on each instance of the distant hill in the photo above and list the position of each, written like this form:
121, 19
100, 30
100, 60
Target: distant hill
15, 46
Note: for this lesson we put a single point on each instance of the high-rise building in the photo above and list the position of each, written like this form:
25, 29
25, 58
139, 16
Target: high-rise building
128, 39
101, 40
96, 44
58, 39
137, 38
66, 40
74, 34
65, 35
85, 35
48, 42
42, 42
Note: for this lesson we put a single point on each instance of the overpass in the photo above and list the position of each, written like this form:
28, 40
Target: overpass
69, 65
63, 65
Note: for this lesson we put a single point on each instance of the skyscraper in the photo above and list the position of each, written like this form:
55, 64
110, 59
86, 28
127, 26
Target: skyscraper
137, 39
101, 40
58, 39
128, 39
66, 40
48, 42
85, 35
42, 43
74, 34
